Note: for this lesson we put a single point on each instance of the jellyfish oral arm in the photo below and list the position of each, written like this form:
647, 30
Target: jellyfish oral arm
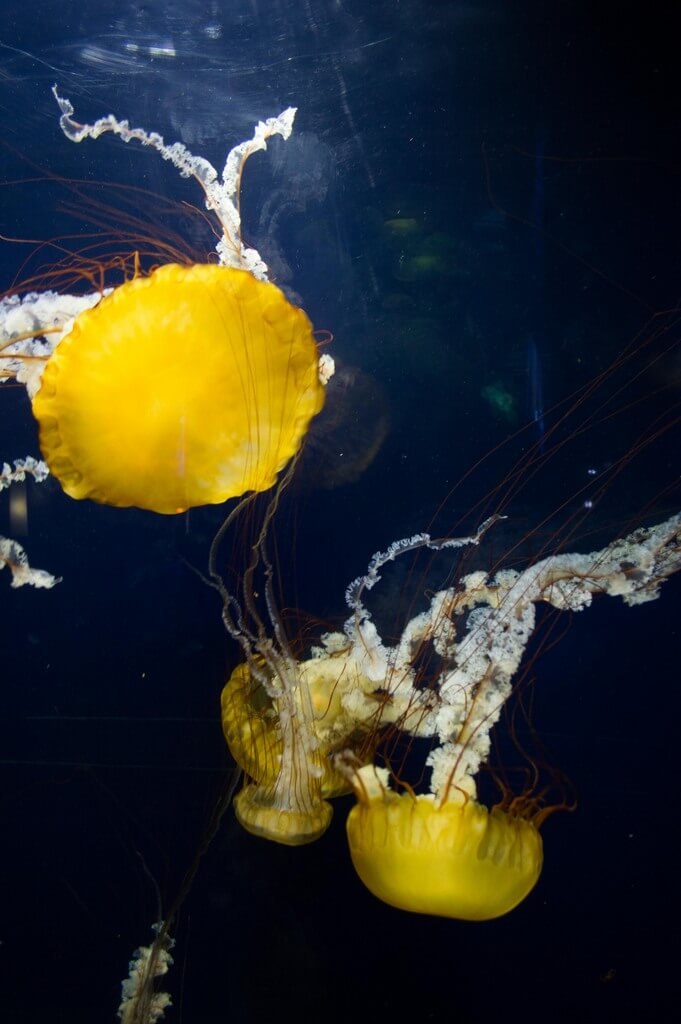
148, 964
14, 557
23, 468
12, 554
31, 327
480, 630
222, 195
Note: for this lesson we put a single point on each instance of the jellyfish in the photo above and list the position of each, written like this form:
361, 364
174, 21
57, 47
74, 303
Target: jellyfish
280, 716
299, 726
193, 385
186, 386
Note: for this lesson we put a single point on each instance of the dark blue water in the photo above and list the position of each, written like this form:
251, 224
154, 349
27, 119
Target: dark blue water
480, 202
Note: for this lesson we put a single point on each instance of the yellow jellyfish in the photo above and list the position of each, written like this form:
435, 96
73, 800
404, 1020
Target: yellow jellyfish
185, 387
286, 754
450, 859
277, 750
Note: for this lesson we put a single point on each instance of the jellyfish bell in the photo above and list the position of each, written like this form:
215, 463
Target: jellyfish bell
282, 797
282, 800
450, 859
184, 388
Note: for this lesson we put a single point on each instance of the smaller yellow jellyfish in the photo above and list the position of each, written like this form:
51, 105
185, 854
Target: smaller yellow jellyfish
282, 719
450, 859
277, 750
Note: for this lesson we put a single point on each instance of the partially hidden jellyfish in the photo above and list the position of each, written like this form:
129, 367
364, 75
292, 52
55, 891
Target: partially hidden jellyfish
185, 386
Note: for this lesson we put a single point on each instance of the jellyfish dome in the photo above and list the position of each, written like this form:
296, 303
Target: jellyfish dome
453, 859
184, 388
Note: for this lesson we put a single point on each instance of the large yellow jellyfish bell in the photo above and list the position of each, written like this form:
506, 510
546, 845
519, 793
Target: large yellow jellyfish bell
187, 387
452, 859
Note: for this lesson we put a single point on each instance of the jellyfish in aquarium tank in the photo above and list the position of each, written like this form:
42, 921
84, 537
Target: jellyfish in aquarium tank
193, 384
